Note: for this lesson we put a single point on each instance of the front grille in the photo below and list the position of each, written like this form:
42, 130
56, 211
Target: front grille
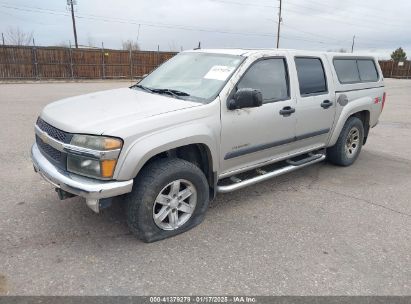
55, 156
49, 150
54, 132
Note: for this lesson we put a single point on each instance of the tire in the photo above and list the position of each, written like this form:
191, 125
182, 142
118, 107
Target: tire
340, 154
152, 198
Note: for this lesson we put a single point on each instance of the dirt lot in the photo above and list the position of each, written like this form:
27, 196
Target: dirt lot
321, 230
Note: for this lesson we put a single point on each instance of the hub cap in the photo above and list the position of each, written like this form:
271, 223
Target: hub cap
352, 143
175, 204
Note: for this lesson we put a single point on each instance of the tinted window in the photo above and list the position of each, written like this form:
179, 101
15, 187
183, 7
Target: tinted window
311, 75
355, 70
347, 70
367, 70
270, 77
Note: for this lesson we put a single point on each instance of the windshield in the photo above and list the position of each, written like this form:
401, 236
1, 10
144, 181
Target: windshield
192, 75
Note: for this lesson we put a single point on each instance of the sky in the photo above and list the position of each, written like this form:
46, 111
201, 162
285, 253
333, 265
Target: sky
379, 26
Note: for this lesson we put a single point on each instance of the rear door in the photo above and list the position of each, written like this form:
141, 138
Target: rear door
316, 105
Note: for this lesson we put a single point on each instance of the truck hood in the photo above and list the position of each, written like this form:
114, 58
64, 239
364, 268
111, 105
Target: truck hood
106, 110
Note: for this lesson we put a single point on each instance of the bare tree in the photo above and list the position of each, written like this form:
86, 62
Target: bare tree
63, 44
130, 45
340, 50
172, 46
90, 42
15, 36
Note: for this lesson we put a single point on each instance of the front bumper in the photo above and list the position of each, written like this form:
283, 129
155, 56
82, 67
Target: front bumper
91, 189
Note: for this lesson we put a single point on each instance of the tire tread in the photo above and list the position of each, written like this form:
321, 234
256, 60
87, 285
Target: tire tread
336, 154
145, 190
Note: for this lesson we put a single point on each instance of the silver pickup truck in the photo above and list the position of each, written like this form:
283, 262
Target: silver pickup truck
204, 122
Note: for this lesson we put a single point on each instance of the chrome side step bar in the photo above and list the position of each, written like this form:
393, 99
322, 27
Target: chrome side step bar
314, 158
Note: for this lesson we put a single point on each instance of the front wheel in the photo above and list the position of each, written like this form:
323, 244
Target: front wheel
349, 143
170, 196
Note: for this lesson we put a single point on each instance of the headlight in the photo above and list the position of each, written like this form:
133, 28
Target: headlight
97, 156
100, 143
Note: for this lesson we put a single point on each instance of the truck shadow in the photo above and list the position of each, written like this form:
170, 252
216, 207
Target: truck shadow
73, 220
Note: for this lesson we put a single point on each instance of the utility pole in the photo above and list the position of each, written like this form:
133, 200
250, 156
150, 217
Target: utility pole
279, 26
2, 37
70, 3
352, 46
138, 32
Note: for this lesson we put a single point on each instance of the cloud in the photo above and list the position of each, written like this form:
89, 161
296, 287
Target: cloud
379, 27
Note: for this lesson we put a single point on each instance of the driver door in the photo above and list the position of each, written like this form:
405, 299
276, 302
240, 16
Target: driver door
253, 135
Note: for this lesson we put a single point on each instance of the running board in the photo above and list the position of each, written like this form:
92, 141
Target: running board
292, 166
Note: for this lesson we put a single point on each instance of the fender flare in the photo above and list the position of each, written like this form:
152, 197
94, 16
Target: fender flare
359, 105
144, 148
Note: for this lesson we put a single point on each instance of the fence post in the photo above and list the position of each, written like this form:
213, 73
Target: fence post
35, 63
392, 68
131, 65
102, 62
158, 55
71, 62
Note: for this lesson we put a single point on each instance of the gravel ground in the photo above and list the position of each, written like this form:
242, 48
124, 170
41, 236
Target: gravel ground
323, 230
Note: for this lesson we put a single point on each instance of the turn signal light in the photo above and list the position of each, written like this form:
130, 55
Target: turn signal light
107, 167
112, 143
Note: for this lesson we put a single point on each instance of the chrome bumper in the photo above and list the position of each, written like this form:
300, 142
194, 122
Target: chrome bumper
92, 190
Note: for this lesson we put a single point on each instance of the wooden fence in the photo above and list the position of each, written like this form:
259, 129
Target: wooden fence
394, 69
27, 62
18, 62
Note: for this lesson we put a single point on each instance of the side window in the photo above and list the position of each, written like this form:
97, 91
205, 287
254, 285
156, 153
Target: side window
311, 75
270, 76
367, 69
355, 70
347, 70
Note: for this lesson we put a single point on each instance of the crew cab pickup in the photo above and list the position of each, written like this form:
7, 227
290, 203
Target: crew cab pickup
204, 122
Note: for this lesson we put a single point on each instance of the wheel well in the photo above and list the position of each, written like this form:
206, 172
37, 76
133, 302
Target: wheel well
364, 116
197, 154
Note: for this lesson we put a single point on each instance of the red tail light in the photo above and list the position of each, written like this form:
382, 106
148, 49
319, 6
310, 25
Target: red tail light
383, 100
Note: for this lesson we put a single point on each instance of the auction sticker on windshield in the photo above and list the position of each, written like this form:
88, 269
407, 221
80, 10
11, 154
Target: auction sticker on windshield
219, 72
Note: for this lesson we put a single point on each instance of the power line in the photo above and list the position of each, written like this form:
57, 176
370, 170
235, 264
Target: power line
351, 17
356, 5
179, 27
336, 19
128, 21
244, 4
311, 33
340, 19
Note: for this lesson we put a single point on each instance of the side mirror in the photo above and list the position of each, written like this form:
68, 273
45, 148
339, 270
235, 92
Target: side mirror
245, 98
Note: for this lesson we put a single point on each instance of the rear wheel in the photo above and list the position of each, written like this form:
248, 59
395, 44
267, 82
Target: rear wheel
170, 196
349, 143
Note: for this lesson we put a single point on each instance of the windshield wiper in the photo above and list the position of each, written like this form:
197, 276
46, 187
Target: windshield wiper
142, 87
175, 93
